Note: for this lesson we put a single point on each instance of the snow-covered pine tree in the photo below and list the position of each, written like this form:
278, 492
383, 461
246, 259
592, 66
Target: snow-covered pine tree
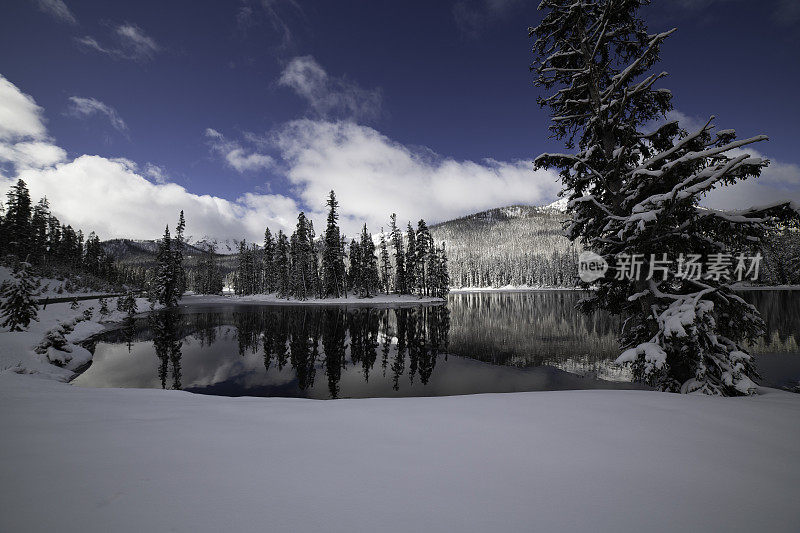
281, 265
17, 220
354, 274
303, 267
39, 220
209, 277
399, 256
165, 283
411, 259
18, 306
385, 265
129, 305
370, 280
632, 192
423, 245
104, 311
313, 262
177, 254
267, 258
332, 260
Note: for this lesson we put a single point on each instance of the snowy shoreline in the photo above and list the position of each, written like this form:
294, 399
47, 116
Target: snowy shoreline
512, 288
524, 288
380, 300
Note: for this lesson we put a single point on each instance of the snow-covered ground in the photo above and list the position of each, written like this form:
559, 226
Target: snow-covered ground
382, 300
54, 288
513, 288
75, 459
18, 350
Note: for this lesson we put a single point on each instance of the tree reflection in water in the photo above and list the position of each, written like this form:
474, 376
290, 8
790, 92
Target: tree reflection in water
496, 342
309, 340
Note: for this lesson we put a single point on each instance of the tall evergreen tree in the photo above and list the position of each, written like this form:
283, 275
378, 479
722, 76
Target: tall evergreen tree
385, 265
370, 280
209, 277
178, 244
632, 192
399, 256
165, 282
423, 244
354, 273
39, 226
268, 257
17, 221
281, 265
332, 258
411, 259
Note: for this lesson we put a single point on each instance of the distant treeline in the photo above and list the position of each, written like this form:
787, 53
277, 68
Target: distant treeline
31, 233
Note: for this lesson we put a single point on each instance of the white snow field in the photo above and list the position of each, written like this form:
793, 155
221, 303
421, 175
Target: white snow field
75, 459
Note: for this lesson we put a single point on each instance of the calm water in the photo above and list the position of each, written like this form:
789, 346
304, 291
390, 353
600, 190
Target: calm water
478, 342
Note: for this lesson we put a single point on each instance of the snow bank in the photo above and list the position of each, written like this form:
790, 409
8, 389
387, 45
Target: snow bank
513, 288
74, 459
385, 300
32, 352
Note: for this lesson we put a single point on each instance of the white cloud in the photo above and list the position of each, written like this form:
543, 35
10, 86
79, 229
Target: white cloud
235, 155
20, 117
136, 41
110, 197
32, 154
85, 107
57, 9
24, 142
330, 96
131, 43
156, 173
779, 181
374, 176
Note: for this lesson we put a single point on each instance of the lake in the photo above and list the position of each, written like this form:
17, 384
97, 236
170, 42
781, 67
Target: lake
478, 342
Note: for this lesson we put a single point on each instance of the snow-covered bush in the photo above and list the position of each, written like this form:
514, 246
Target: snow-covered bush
18, 306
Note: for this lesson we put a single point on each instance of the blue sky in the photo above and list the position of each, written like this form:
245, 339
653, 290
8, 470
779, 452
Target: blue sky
243, 112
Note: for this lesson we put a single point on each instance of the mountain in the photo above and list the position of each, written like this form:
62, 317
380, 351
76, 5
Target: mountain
140, 252
514, 245
223, 247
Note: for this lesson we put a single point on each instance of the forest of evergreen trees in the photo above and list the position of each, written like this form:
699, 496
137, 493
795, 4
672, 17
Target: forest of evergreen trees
31, 233
302, 266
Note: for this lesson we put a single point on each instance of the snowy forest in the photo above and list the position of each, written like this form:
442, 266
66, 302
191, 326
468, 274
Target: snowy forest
302, 265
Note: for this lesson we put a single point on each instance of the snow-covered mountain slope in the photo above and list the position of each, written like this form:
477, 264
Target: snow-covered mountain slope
514, 245
223, 247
